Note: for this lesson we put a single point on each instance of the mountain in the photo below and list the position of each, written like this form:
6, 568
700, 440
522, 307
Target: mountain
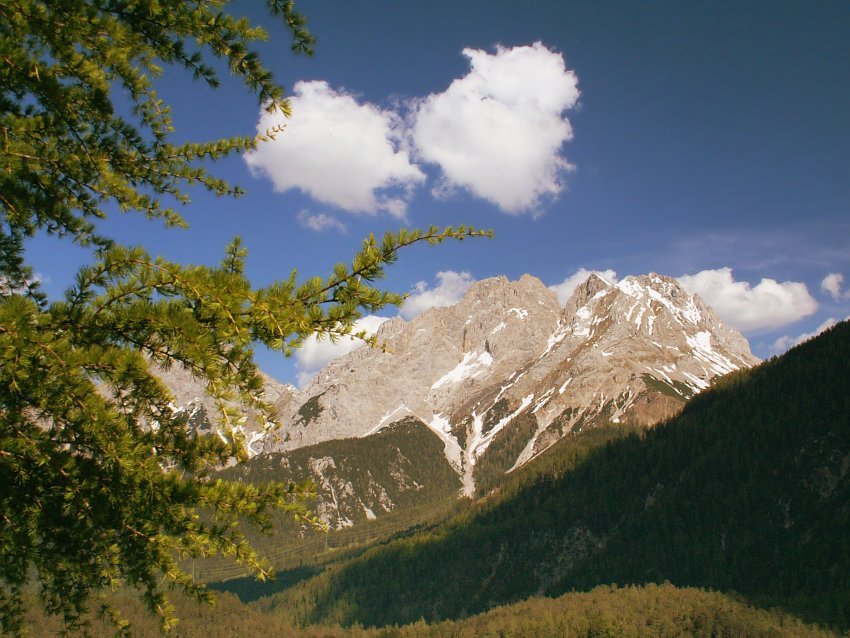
399, 468
191, 399
461, 396
729, 519
505, 373
746, 491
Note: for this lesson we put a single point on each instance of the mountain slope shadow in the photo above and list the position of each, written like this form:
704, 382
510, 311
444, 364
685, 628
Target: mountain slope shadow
748, 490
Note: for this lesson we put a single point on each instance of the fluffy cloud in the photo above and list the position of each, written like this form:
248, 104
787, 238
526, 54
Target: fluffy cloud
784, 343
832, 284
498, 131
769, 304
451, 288
338, 151
314, 354
566, 287
319, 221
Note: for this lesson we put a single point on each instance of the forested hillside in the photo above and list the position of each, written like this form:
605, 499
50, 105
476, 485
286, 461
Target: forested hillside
402, 466
747, 491
629, 612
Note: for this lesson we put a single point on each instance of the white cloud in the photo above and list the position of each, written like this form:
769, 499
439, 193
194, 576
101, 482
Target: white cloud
338, 151
832, 284
784, 343
769, 304
315, 354
566, 288
319, 221
498, 130
451, 288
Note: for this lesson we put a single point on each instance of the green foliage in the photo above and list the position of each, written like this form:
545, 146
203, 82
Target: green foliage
495, 414
747, 491
460, 429
101, 483
628, 612
396, 464
66, 148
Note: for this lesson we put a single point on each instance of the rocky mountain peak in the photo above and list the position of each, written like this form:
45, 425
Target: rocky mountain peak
506, 372
592, 285
504, 292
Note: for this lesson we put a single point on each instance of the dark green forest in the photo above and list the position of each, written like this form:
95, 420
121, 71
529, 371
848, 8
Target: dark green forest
745, 492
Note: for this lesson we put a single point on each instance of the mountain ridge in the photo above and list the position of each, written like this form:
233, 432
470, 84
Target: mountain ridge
496, 379
508, 356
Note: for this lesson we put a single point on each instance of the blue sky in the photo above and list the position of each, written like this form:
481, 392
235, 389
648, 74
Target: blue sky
702, 140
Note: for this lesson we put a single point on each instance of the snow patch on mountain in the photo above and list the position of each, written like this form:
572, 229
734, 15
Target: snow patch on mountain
395, 414
582, 322
471, 366
443, 428
483, 442
561, 332
700, 343
502, 325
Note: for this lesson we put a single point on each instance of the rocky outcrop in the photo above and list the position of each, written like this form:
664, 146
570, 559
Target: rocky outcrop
507, 372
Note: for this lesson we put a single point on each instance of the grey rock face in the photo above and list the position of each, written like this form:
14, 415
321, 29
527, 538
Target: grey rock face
633, 352
190, 397
506, 372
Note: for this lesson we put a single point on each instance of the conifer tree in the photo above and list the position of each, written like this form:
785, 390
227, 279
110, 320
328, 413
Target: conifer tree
101, 483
